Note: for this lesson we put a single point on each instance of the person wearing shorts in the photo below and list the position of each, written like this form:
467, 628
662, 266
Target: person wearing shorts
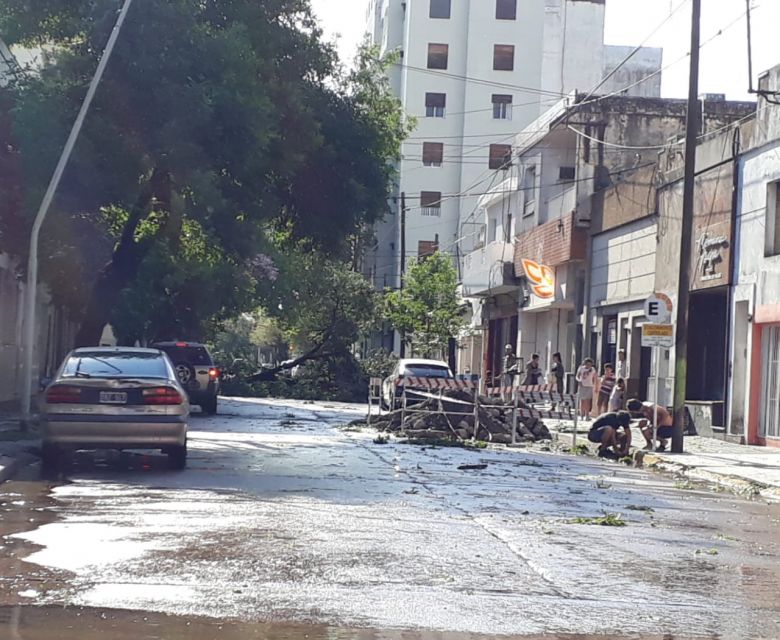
612, 432
645, 411
586, 376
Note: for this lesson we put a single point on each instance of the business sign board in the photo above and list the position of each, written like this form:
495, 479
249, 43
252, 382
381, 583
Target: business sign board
658, 335
541, 279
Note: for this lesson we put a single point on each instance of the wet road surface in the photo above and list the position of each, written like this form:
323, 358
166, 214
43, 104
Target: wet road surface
282, 517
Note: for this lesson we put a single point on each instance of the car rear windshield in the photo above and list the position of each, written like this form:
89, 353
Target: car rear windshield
190, 355
427, 371
115, 365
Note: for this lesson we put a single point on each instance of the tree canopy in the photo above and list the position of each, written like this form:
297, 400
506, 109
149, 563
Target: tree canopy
427, 309
224, 137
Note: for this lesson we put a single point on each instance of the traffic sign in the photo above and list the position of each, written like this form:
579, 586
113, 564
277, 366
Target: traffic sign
658, 335
658, 308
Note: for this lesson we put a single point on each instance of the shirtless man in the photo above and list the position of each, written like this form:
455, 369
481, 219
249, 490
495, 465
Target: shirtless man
646, 411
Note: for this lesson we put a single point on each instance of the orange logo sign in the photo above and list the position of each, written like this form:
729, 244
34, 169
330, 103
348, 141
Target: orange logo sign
541, 279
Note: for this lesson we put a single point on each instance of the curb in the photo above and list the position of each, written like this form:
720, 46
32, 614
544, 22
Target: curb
9, 467
735, 484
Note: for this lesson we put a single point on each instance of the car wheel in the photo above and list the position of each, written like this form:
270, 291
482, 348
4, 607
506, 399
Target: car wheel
185, 372
50, 457
210, 407
177, 457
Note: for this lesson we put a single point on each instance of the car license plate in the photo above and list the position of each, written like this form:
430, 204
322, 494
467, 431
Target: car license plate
113, 397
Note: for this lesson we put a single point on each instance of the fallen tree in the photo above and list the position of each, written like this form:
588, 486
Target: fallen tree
453, 416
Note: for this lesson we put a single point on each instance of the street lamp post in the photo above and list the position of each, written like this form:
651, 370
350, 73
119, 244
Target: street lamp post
31, 289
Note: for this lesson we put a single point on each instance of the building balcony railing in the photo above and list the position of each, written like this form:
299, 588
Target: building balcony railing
431, 211
489, 271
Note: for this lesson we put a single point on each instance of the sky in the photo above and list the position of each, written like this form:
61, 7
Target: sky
630, 22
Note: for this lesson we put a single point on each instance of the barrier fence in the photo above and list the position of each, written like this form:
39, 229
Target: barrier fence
541, 401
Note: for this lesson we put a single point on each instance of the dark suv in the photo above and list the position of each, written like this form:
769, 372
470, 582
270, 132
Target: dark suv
196, 371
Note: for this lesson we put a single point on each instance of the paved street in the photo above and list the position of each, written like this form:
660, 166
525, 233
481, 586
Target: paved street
283, 516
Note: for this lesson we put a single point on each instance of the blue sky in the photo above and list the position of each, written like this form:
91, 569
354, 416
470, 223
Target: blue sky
629, 22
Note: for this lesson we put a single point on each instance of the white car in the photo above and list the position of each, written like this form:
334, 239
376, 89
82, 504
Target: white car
115, 398
414, 367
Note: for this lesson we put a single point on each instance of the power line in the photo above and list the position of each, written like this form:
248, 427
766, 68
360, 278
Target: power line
480, 81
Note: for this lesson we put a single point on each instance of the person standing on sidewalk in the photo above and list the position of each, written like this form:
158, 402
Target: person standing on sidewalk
533, 372
621, 367
557, 372
586, 376
605, 389
617, 397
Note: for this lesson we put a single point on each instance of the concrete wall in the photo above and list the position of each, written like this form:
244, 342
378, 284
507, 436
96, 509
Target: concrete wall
54, 335
623, 267
638, 77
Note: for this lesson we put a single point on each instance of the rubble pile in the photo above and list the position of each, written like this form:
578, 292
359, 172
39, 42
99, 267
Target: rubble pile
457, 420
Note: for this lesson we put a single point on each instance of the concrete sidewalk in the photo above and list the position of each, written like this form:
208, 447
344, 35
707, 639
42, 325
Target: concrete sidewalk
15, 447
744, 469
753, 469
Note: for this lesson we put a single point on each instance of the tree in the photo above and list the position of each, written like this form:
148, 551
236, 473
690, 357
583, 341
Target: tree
222, 132
427, 310
323, 309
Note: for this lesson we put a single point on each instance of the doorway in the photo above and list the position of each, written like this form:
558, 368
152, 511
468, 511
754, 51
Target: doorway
739, 370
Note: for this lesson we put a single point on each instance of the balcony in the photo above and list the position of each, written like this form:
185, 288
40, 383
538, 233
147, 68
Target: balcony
489, 271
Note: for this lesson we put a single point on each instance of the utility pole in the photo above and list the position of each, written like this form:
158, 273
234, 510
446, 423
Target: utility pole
684, 280
31, 289
403, 261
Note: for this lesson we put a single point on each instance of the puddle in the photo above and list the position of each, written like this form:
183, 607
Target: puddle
56, 623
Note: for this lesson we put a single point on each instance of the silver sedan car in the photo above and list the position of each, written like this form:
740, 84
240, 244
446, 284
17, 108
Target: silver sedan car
115, 398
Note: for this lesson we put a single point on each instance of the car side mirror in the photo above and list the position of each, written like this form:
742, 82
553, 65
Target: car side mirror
44, 382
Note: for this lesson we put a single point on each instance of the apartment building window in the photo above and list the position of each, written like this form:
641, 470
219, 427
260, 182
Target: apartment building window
435, 105
773, 219
430, 203
426, 248
438, 55
503, 57
529, 191
500, 156
440, 9
506, 9
433, 154
502, 106
567, 174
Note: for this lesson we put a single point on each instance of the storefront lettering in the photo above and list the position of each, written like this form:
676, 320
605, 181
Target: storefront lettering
711, 255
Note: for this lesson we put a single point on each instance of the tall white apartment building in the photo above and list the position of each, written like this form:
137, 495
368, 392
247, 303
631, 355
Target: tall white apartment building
474, 73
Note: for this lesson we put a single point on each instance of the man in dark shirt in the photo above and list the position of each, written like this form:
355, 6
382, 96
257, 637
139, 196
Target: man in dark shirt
612, 432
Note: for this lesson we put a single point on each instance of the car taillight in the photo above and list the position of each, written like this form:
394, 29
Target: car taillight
61, 394
214, 373
162, 395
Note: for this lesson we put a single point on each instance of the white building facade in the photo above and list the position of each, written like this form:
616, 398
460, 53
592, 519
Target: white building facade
474, 73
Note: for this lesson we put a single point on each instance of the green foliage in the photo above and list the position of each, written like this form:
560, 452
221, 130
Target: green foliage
379, 363
321, 306
238, 113
427, 310
607, 520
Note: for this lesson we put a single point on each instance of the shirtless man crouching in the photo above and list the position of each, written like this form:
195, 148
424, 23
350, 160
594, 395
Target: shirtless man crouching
646, 412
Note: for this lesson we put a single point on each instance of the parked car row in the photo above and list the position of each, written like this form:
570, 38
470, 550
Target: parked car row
127, 398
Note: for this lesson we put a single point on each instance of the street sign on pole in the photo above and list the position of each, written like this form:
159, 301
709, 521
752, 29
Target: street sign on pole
658, 335
659, 308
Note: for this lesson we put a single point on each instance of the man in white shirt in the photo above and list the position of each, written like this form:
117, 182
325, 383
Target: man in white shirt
621, 367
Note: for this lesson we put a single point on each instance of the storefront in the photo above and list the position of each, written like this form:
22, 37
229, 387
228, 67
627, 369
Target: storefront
549, 260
